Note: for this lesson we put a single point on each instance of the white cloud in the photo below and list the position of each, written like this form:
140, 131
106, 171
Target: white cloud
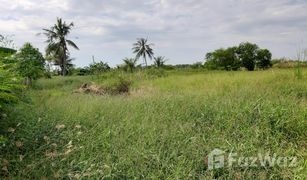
181, 30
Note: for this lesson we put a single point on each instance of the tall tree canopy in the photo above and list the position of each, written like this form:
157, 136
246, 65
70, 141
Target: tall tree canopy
225, 59
30, 63
264, 57
142, 49
246, 55
58, 44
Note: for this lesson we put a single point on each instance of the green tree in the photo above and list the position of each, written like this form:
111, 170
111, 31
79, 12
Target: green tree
247, 53
30, 63
264, 59
142, 49
130, 64
58, 44
197, 65
159, 61
55, 59
98, 67
226, 59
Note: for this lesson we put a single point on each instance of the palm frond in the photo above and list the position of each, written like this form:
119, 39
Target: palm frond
142, 49
72, 44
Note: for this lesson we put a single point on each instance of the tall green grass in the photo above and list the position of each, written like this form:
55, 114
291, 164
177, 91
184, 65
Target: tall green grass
163, 130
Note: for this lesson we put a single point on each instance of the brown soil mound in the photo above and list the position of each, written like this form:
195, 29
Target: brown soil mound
120, 87
91, 89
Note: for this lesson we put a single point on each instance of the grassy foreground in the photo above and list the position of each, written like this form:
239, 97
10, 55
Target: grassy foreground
163, 129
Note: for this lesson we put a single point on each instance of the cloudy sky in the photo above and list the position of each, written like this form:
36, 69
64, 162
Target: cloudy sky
183, 31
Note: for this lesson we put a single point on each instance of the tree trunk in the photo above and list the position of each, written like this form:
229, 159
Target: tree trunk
145, 61
64, 68
27, 81
64, 60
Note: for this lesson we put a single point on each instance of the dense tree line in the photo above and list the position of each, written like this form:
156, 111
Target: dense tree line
246, 55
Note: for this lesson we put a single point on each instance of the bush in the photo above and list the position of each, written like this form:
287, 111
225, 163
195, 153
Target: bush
154, 73
98, 67
81, 71
4, 52
121, 86
283, 63
10, 87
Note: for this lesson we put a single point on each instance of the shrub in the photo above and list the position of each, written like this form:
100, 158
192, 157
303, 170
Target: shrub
9, 83
4, 52
121, 86
154, 73
81, 71
10, 87
98, 67
197, 65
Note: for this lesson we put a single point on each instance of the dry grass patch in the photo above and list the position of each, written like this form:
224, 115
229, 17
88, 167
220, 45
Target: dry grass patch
119, 87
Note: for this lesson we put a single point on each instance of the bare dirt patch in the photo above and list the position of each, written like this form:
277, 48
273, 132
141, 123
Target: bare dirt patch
87, 88
120, 87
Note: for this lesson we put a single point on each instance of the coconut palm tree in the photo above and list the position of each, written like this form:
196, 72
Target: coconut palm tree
56, 60
130, 64
142, 49
159, 61
58, 43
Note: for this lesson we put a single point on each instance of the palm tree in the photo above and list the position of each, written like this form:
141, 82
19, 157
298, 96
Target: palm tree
142, 49
130, 63
58, 43
56, 60
159, 61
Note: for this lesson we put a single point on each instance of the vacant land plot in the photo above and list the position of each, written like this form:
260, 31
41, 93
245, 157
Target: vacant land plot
165, 127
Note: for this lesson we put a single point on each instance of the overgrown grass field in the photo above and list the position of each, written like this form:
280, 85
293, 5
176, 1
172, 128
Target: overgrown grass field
163, 129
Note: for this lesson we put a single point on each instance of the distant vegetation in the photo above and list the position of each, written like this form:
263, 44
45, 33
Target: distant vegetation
246, 55
129, 64
159, 61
